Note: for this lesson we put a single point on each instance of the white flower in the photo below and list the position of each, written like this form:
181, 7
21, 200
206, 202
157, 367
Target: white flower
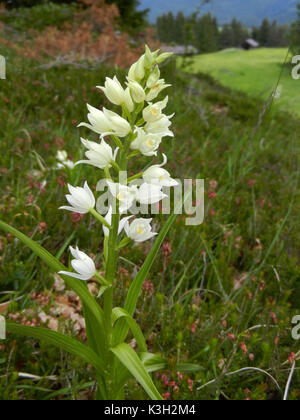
163, 57
156, 89
137, 70
125, 195
66, 164
160, 127
113, 91
153, 112
98, 122
128, 100
150, 194
153, 78
150, 57
81, 199
99, 155
62, 155
106, 122
146, 143
82, 264
139, 230
156, 175
108, 218
137, 92
119, 125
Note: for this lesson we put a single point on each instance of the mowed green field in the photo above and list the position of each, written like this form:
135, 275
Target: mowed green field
255, 72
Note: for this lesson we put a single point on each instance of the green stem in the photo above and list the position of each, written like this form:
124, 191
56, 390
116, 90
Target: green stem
133, 154
111, 251
117, 141
107, 173
132, 178
100, 218
101, 279
115, 165
105, 251
111, 268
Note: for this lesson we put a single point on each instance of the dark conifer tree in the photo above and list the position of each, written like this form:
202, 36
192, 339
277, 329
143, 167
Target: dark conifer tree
264, 33
294, 35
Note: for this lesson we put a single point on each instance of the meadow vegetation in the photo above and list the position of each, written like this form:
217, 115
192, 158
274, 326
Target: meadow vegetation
221, 295
259, 73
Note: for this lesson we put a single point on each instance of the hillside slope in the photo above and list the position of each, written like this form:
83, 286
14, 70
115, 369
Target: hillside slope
220, 295
254, 72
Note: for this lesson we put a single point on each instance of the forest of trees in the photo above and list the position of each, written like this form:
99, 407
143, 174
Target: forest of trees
205, 34
131, 17
294, 34
202, 32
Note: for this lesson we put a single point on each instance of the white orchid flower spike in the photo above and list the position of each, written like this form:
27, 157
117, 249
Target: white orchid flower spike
113, 91
125, 195
122, 222
146, 143
150, 194
99, 155
140, 230
82, 200
82, 264
158, 176
106, 122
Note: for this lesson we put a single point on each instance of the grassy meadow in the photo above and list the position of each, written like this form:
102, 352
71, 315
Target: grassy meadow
254, 72
221, 295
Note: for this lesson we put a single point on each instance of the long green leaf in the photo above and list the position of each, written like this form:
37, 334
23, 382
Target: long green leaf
61, 341
131, 361
119, 313
57, 266
95, 342
152, 363
136, 286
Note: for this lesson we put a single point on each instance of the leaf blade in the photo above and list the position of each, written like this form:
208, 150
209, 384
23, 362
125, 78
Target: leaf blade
119, 313
128, 357
136, 286
59, 340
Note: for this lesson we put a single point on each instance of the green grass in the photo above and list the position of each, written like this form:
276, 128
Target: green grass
254, 72
251, 232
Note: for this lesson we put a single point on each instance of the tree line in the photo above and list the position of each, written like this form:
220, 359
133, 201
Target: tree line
131, 16
206, 35
294, 35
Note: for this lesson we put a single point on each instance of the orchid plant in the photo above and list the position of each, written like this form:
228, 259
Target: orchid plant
138, 130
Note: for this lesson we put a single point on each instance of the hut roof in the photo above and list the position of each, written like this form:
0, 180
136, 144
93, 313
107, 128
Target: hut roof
180, 49
252, 43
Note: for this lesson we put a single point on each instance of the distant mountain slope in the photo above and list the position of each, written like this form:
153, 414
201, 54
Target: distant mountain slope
250, 12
